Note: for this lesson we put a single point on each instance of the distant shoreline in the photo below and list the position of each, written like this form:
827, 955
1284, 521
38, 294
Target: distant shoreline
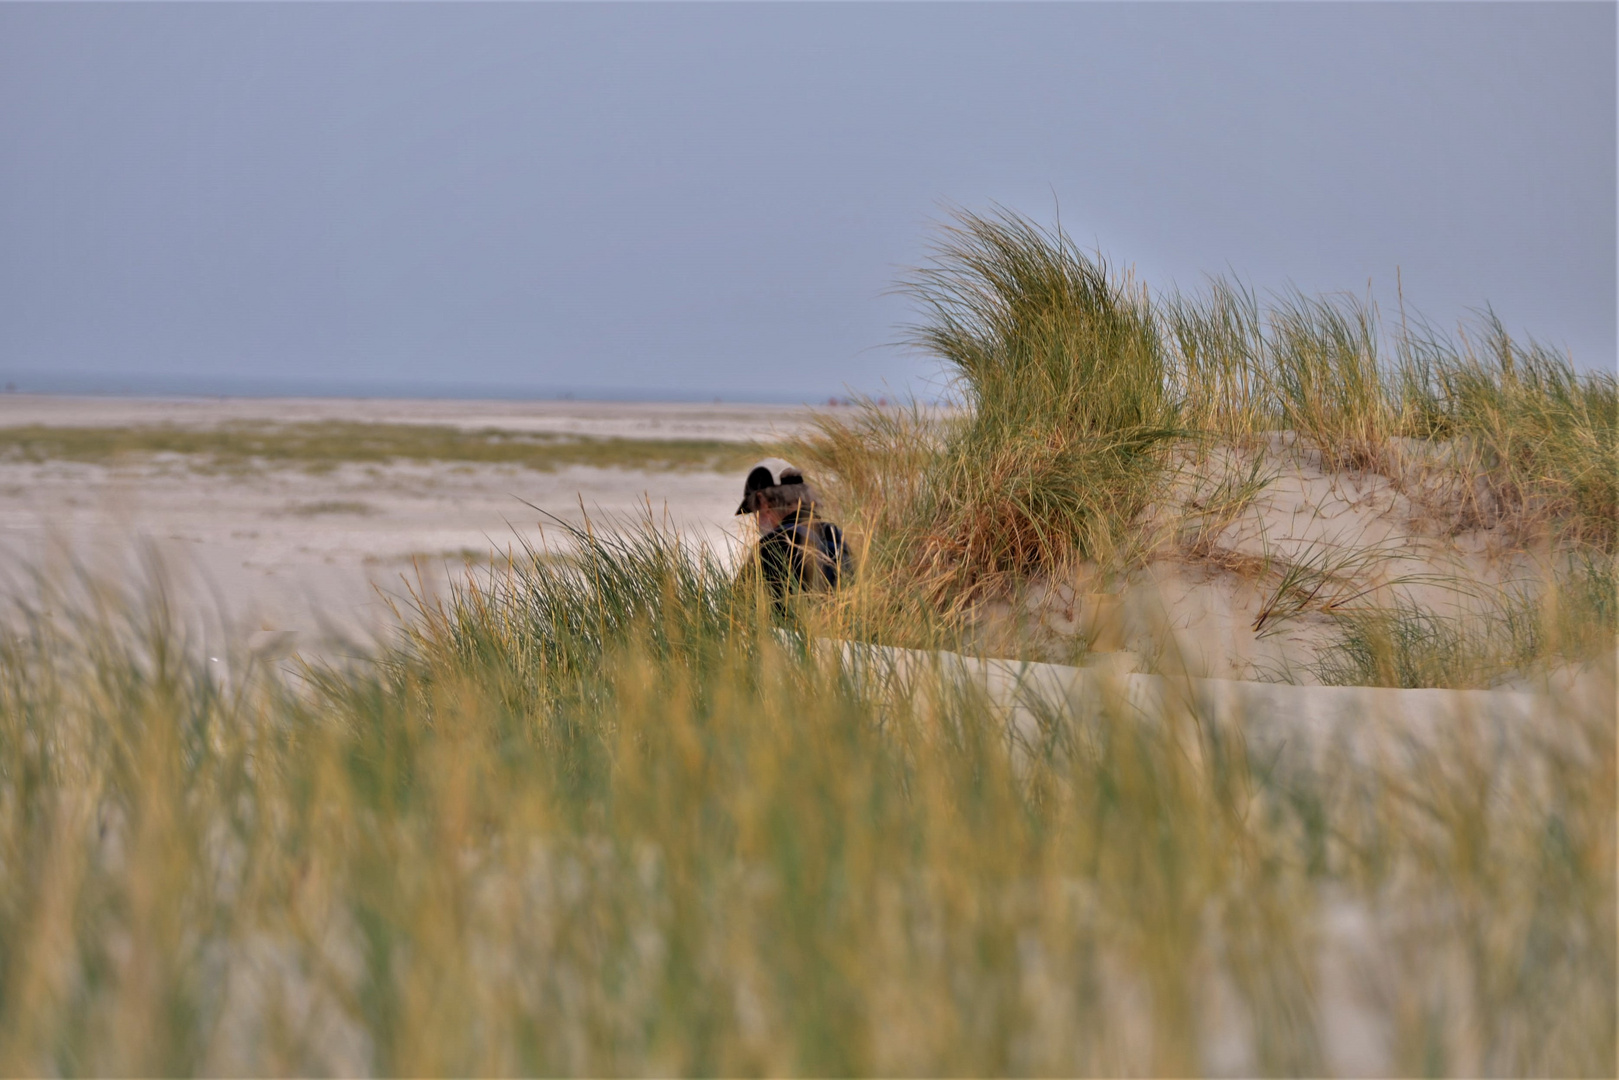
176, 387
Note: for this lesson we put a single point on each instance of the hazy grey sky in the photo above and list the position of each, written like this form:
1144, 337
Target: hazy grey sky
712, 199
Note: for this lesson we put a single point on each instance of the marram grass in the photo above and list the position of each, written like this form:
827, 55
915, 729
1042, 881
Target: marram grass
606, 817
1082, 401
1059, 361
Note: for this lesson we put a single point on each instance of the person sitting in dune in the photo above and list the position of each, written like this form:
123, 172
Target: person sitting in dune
798, 550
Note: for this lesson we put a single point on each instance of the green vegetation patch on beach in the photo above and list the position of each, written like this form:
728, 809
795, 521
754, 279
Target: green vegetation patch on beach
326, 445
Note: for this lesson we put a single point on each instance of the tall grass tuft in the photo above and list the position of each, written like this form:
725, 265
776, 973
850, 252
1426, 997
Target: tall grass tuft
1217, 360
1329, 379
1543, 437
1060, 363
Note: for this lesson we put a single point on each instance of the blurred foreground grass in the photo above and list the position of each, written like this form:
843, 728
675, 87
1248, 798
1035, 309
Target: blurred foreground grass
327, 444
605, 817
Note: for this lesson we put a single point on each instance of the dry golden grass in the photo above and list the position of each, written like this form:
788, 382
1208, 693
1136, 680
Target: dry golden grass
1060, 367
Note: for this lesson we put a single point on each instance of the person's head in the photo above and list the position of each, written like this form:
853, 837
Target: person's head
773, 490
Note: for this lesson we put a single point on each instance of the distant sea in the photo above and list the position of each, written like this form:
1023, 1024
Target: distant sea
39, 382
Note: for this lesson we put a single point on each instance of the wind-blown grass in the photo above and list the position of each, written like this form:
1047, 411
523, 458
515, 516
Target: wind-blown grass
604, 818
1479, 412
1541, 437
1058, 361
1328, 379
1215, 345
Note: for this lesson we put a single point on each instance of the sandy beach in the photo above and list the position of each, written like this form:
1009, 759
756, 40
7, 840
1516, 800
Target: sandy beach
300, 545
280, 548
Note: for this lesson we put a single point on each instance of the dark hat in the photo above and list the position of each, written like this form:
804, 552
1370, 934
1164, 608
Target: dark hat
770, 473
